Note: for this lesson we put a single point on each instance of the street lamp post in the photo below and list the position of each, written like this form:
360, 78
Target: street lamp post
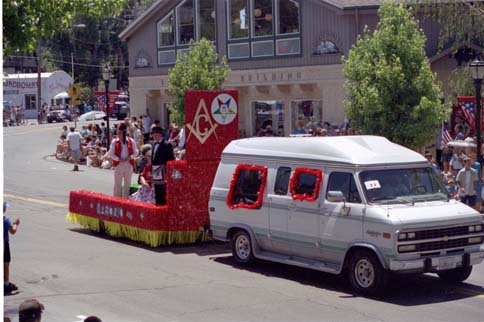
106, 77
477, 69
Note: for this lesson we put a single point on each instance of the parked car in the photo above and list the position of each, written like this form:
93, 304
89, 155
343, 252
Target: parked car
92, 115
57, 114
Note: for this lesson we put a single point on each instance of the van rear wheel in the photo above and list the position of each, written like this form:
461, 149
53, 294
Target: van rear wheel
455, 275
366, 274
242, 248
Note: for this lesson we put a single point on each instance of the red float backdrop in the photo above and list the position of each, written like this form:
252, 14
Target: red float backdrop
211, 123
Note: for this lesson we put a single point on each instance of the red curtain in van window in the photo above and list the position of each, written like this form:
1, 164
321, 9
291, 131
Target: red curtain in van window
260, 194
295, 180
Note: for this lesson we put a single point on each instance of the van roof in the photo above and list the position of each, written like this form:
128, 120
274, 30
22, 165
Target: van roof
357, 150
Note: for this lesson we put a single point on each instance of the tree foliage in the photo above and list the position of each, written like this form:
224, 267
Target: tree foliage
196, 70
390, 88
26, 22
461, 21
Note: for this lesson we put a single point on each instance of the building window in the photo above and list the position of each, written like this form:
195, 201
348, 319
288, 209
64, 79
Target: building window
30, 102
305, 183
282, 181
247, 187
185, 22
166, 31
309, 113
326, 47
288, 17
239, 19
239, 50
207, 19
288, 46
188, 27
262, 18
269, 118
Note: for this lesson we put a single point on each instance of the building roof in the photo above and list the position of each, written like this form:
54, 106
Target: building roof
354, 150
349, 4
341, 4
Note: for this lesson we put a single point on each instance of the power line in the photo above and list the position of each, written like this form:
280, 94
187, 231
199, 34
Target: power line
66, 62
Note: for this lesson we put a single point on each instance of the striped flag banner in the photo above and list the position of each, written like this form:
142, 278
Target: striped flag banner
446, 137
467, 107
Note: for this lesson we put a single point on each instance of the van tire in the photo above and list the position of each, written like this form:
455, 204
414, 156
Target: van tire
242, 248
456, 275
366, 274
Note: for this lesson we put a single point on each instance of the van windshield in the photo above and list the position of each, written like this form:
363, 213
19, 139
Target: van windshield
402, 186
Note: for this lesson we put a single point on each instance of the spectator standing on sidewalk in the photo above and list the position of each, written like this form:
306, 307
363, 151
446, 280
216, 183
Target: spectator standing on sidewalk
8, 227
74, 144
467, 179
146, 125
123, 150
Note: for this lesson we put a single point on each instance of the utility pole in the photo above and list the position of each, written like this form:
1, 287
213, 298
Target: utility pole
39, 75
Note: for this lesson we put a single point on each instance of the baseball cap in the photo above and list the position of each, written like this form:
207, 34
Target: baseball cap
30, 309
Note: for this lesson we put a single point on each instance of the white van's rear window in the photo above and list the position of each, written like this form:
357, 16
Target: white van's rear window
247, 187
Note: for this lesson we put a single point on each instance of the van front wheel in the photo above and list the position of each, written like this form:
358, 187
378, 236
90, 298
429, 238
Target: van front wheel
366, 274
242, 248
455, 275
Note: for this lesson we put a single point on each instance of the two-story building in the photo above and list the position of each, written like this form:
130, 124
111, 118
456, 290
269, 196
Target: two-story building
285, 55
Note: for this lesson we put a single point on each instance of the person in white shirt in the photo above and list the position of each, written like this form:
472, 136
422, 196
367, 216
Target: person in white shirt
146, 119
74, 144
122, 151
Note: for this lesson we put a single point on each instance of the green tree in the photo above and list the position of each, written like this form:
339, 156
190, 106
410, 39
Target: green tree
390, 88
196, 70
26, 22
461, 22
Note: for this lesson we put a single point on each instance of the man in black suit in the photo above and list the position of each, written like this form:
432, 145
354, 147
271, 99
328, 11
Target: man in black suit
162, 153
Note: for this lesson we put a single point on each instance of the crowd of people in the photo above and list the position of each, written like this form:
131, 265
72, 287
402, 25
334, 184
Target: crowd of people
456, 163
14, 116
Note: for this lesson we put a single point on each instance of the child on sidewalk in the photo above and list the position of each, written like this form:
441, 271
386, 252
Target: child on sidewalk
8, 227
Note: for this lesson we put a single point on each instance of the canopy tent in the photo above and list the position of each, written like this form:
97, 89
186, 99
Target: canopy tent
62, 95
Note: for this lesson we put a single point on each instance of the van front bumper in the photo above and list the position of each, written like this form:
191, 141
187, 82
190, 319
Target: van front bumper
436, 264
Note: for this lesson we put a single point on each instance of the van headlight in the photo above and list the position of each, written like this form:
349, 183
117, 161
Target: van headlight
406, 236
407, 248
475, 228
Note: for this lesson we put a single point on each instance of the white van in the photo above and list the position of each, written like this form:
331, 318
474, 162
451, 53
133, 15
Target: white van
358, 204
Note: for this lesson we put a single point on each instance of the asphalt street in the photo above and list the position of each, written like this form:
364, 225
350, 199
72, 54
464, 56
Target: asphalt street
76, 273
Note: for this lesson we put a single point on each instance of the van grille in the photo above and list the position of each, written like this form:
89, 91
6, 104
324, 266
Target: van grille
437, 233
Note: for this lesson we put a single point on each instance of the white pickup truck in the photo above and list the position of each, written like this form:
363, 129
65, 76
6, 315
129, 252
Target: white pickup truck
356, 204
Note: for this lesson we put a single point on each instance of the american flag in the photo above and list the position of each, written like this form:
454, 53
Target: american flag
100, 101
468, 110
446, 137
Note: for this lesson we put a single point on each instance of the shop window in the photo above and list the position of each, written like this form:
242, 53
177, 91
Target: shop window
282, 181
262, 18
185, 22
288, 46
247, 187
308, 113
30, 102
269, 118
166, 31
239, 19
305, 184
344, 182
207, 19
288, 14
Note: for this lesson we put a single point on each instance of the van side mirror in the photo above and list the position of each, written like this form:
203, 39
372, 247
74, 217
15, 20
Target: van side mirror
335, 196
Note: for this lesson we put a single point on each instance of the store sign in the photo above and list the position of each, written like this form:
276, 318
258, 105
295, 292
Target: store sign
10, 91
20, 84
270, 77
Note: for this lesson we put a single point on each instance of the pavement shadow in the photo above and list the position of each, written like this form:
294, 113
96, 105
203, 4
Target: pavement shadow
207, 248
403, 290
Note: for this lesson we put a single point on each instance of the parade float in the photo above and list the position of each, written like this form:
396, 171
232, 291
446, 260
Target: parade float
211, 123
